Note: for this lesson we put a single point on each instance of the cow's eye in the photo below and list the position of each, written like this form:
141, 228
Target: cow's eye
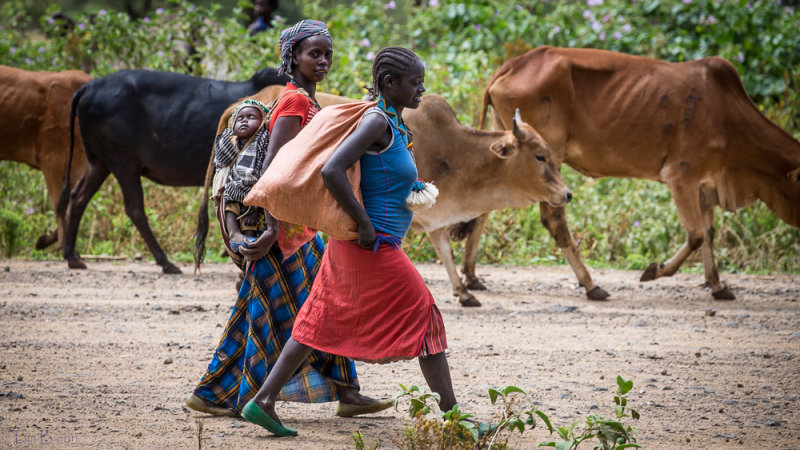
541, 158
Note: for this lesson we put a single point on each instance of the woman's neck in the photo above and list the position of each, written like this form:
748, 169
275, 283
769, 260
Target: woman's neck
300, 81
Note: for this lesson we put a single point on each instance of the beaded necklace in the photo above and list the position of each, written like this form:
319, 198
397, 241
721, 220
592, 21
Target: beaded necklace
391, 113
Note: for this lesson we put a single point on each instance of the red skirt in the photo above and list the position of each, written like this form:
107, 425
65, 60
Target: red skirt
370, 307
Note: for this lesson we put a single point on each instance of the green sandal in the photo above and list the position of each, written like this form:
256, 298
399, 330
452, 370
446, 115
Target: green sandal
254, 414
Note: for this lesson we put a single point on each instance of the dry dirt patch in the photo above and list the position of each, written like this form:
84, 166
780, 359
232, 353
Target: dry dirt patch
105, 357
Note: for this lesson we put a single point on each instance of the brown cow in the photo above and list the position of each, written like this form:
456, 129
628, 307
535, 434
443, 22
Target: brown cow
689, 125
475, 171
34, 129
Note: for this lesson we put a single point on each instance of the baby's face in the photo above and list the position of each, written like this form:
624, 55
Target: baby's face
247, 122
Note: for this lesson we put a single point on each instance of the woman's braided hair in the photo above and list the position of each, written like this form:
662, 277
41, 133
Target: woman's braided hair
394, 61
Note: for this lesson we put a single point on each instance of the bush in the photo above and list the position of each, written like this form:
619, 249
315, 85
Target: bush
620, 223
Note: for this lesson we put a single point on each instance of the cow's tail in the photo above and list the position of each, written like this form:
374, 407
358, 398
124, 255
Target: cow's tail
201, 233
63, 199
461, 230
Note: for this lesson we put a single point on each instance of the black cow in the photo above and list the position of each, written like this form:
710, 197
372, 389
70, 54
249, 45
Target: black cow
142, 123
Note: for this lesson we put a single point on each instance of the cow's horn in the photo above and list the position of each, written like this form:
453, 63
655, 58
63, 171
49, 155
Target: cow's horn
517, 118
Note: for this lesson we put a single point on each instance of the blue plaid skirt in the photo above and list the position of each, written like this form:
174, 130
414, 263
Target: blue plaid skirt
270, 297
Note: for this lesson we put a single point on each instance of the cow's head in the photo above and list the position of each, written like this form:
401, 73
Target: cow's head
531, 165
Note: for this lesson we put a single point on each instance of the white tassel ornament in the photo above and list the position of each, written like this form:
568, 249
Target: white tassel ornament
423, 196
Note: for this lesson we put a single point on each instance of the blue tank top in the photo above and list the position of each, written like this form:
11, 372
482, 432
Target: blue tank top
386, 180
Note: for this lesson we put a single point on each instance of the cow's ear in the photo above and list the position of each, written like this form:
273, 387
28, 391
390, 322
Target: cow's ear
503, 149
794, 175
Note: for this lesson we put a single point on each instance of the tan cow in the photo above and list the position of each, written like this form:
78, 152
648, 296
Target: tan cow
475, 171
689, 125
34, 129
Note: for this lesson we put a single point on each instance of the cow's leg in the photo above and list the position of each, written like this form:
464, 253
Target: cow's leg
554, 218
471, 254
441, 244
687, 202
53, 180
718, 289
49, 238
80, 196
132, 194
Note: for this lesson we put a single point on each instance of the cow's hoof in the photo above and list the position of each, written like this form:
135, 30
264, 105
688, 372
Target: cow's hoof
76, 264
469, 302
649, 273
44, 241
476, 285
723, 294
171, 269
597, 293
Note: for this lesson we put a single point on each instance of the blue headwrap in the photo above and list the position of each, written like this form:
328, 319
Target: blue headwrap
296, 33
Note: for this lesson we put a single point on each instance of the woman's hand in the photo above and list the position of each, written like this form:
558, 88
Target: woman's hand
366, 235
259, 249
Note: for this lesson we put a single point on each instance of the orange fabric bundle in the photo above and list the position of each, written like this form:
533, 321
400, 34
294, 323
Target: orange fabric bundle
291, 188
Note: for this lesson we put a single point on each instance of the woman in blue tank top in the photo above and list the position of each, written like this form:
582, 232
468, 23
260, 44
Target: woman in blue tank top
368, 301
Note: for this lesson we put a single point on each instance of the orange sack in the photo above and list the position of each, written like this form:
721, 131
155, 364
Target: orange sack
291, 188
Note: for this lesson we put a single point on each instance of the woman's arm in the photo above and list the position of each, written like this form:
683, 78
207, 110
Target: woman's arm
284, 130
369, 132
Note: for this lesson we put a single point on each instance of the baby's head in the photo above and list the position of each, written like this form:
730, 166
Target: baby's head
247, 118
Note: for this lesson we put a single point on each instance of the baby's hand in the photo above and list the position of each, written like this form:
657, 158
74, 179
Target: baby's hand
251, 218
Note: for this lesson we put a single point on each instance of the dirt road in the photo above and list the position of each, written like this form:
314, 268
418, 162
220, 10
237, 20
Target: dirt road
105, 358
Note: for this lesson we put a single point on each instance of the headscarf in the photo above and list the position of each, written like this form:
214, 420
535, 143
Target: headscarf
248, 103
293, 35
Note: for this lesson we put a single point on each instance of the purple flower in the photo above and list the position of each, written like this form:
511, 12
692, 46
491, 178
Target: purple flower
41, 49
433, 3
477, 26
593, 3
221, 30
30, 210
626, 28
391, 5
365, 42
82, 26
617, 35
160, 53
70, 58
636, 224
687, 2
556, 29
101, 13
146, 20
606, 19
711, 20
740, 57
596, 26
51, 21
27, 61
519, 7
587, 14
12, 50
370, 56
747, 6
602, 36
159, 11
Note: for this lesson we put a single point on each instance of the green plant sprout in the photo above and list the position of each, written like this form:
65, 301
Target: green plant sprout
611, 433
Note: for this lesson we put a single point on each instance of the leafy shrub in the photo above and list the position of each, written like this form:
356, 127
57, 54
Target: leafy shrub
619, 223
